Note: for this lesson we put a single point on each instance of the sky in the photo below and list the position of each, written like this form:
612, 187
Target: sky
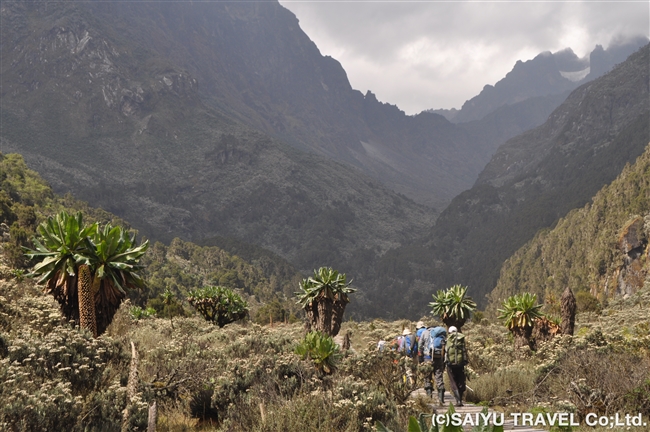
437, 54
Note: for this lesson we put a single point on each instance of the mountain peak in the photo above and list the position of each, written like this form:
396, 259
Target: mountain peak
545, 75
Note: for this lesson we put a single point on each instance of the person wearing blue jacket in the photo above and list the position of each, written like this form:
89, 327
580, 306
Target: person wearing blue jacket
431, 349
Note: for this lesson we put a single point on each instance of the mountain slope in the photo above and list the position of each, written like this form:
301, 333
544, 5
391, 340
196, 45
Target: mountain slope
253, 64
127, 131
532, 181
601, 248
540, 175
26, 200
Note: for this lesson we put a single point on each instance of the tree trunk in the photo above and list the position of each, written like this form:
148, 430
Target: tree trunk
325, 316
346, 341
153, 417
87, 317
523, 336
568, 307
131, 387
324, 307
338, 308
453, 321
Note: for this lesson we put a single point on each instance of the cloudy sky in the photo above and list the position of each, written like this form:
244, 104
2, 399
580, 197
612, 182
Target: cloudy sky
437, 54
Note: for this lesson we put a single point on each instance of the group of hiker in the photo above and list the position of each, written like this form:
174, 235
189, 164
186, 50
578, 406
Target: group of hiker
436, 349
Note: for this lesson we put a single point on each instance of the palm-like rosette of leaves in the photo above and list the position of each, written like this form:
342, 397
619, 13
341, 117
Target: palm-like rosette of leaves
61, 244
115, 258
326, 283
218, 305
520, 311
453, 306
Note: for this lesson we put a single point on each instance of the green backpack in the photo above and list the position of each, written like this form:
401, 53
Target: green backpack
455, 353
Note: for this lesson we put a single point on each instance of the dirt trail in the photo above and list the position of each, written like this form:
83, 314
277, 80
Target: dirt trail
472, 409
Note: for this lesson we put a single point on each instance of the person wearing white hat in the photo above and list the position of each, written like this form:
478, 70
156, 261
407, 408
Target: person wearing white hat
406, 343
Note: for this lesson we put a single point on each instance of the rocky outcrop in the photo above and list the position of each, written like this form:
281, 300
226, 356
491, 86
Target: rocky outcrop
633, 244
632, 239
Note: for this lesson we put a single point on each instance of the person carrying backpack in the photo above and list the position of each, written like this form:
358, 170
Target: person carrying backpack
407, 344
420, 327
456, 358
408, 348
431, 348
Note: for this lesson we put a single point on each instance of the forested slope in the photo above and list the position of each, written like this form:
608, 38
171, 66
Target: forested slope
26, 200
601, 248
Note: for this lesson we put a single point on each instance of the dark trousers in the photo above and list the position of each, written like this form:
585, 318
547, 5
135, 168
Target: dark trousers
433, 369
458, 372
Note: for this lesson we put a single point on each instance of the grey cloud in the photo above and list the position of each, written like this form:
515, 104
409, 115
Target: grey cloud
421, 55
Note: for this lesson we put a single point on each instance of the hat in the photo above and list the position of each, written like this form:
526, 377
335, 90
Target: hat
420, 324
406, 332
453, 329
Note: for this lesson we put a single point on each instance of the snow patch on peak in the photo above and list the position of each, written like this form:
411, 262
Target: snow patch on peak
577, 75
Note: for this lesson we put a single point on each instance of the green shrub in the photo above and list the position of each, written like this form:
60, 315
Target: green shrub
586, 302
321, 349
585, 377
387, 369
137, 313
55, 377
218, 305
271, 376
276, 310
502, 385
638, 399
477, 317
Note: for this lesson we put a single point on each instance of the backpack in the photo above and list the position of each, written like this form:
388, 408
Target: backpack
408, 345
437, 340
396, 344
456, 355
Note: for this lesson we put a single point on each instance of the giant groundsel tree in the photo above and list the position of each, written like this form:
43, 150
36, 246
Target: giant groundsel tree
519, 314
453, 306
324, 297
110, 256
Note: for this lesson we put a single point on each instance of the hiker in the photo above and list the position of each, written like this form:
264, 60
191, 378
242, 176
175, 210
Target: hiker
407, 344
432, 348
408, 348
420, 327
456, 358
